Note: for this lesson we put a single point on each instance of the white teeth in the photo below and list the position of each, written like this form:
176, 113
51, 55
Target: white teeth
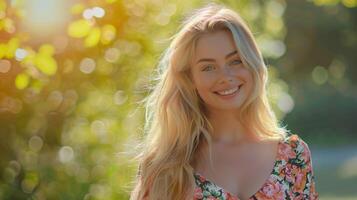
228, 92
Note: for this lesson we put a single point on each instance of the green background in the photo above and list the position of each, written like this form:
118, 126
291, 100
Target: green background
73, 73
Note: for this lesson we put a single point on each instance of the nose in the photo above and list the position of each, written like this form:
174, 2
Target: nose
225, 75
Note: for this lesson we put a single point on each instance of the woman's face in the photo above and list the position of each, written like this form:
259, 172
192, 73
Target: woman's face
221, 79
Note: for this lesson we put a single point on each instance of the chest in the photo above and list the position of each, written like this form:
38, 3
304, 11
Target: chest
241, 171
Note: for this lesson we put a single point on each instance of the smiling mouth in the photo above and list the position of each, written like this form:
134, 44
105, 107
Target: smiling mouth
229, 91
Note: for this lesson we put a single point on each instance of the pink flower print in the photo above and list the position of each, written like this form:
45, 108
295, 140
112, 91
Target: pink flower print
198, 193
270, 190
288, 173
286, 152
202, 179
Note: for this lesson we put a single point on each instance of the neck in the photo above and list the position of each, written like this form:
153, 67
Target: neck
227, 128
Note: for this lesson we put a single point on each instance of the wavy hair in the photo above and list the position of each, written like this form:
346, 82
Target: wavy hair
176, 120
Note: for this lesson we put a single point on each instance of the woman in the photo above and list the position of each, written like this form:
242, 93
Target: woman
211, 133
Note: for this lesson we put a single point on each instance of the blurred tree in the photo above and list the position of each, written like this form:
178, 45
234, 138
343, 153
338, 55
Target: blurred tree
323, 35
321, 42
72, 72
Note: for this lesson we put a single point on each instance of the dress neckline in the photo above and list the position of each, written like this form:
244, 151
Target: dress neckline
277, 156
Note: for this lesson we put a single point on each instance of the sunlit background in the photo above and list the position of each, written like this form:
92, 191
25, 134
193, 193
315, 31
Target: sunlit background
72, 73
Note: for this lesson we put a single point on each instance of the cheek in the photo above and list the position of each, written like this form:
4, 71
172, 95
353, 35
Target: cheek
204, 94
204, 83
201, 80
202, 89
247, 74
249, 80
203, 86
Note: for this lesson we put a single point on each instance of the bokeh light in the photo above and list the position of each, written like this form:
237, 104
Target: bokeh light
5, 66
286, 103
120, 97
66, 154
87, 65
73, 75
93, 12
35, 143
44, 17
20, 54
319, 75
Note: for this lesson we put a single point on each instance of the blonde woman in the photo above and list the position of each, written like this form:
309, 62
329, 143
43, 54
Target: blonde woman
210, 131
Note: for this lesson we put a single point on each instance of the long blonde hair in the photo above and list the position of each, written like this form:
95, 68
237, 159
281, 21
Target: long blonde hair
176, 121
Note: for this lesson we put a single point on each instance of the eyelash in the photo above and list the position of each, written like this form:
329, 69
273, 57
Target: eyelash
233, 62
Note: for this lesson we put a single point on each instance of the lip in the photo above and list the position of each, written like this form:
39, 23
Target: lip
231, 95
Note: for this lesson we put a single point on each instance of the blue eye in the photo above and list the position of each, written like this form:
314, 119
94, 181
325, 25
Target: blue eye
236, 62
207, 68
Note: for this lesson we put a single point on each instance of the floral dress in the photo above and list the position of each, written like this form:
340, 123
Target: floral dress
291, 178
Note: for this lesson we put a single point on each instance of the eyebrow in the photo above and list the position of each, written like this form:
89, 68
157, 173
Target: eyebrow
210, 59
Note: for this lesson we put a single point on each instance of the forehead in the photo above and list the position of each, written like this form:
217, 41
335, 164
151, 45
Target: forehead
214, 45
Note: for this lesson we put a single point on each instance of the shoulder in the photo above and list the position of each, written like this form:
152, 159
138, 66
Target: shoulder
295, 149
294, 168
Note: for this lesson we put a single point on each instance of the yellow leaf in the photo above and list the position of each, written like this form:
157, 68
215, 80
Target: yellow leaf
12, 45
93, 38
21, 81
325, 2
30, 57
47, 49
79, 28
36, 85
2, 50
2, 24
46, 64
350, 3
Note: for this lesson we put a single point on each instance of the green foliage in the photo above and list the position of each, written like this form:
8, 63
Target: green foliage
69, 93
